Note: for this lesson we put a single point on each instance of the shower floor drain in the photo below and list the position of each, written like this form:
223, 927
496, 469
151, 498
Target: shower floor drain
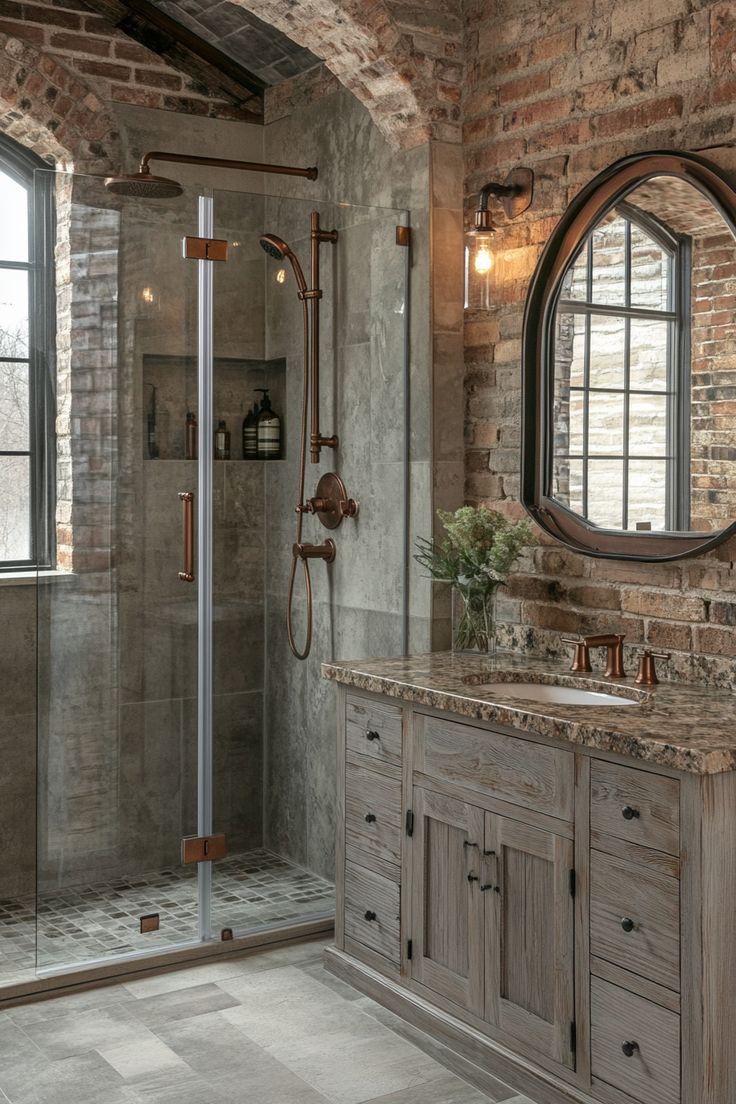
103, 920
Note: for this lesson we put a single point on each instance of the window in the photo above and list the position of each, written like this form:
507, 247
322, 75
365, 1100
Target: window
622, 376
26, 348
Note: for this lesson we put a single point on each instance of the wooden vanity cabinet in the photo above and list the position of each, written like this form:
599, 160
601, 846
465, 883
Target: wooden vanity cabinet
561, 918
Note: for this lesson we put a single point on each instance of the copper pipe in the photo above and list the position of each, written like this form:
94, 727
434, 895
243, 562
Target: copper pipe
187, 501
317, 237
225, 163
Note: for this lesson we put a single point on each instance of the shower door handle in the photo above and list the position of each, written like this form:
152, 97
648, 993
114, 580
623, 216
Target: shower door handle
187, 501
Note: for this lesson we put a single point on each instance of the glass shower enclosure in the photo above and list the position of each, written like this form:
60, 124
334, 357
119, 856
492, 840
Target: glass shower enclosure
173, 722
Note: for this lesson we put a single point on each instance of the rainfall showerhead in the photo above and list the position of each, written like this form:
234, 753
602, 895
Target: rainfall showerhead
143, 185
277, 248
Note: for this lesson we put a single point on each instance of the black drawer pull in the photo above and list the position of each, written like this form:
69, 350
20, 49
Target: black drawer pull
483, 888
630, 1049
370, 818
627, 924
468, 843
473, 878
628, 813
370, 915
371, 734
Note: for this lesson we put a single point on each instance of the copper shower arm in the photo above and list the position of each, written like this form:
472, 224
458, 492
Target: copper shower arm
225, 163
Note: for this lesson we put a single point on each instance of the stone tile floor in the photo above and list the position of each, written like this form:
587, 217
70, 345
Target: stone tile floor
270, 1028
86, 923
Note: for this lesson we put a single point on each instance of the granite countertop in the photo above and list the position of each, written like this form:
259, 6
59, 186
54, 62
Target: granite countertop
684, 727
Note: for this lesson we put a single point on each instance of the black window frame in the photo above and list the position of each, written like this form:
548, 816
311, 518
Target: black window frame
678, 312
36, 176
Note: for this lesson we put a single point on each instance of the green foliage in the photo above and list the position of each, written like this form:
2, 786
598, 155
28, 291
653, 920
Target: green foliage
479, 550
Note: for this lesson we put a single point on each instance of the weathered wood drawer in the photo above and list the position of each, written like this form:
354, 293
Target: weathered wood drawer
373, 812
372, 911
635, 919
635, 1045
373, 728
635, 805
519, 771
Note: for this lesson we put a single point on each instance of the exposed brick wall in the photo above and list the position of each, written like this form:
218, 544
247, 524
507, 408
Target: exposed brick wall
402, 60
568, 88
115, 67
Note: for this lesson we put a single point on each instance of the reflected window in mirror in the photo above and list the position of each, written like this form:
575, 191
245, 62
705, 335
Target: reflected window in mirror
622, 375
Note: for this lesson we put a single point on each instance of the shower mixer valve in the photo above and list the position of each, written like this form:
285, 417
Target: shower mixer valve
331, 503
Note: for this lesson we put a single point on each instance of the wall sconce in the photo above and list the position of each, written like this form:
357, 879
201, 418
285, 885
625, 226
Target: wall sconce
515, 195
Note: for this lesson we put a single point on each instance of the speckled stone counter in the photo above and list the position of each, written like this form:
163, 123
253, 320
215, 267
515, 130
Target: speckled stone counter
672, 725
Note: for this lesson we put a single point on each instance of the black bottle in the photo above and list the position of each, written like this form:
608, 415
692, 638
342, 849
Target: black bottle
268, 430
250, 434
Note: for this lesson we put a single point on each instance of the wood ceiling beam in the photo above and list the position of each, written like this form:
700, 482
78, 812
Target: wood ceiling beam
183, 49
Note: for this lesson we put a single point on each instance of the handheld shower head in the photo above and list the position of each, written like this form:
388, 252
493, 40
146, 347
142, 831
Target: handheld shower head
143, 185
277, 248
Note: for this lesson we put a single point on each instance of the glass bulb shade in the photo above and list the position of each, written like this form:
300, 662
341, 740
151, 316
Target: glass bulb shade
478, 268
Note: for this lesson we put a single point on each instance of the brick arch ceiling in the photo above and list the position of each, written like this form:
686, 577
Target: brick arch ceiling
48, 109
402, 61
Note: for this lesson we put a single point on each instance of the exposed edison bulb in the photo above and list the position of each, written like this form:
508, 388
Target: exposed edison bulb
148, 295
483, 260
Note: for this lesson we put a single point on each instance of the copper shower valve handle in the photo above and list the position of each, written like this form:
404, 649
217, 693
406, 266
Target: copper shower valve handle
325, 551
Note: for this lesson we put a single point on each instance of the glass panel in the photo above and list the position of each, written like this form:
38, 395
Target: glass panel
651, 267
606, 423
117, 629
13, 313
274, 763
575, 280
15, 508
649, 354
609, 261
647, 494
577, 423
607, 345
14, 227
14, 430
648, 425
606, 493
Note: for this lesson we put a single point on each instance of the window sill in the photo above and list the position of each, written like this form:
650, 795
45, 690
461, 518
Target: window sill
30, 578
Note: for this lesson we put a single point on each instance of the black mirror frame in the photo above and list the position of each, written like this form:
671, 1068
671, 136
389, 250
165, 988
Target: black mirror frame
589, 206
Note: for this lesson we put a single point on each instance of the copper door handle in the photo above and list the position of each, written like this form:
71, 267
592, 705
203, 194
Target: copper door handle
187, 501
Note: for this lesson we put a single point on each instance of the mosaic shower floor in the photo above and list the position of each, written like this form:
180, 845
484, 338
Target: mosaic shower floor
87, 923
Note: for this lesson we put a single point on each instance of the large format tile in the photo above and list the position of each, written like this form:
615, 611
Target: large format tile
81, 1032
84, 1079
185, 1004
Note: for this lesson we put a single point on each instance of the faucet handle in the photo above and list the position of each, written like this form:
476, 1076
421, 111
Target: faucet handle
581, 661
647, 673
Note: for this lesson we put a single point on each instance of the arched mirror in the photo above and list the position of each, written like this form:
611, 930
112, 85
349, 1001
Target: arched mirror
629, 442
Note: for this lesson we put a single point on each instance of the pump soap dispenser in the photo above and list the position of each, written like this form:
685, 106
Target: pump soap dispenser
268, 430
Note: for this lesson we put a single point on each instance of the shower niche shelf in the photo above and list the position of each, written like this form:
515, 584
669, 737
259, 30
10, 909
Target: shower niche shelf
170, 391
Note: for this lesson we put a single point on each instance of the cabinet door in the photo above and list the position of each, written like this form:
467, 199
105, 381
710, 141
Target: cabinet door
530, 937
447, 905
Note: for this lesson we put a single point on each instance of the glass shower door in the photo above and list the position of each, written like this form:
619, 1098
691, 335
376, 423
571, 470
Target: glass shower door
117, 623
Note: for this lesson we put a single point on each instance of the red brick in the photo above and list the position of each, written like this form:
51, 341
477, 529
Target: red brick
523, 88
639, 117
80, 44
543, 111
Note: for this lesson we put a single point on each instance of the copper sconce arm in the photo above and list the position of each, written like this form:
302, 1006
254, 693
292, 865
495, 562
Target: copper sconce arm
515, 193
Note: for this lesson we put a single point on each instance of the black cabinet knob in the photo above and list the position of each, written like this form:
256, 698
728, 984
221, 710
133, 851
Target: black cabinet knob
371, 734
630, 1049
370, 818
629, 813
370, 915
627, 924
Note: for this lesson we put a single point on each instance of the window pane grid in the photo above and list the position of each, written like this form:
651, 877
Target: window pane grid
628, 455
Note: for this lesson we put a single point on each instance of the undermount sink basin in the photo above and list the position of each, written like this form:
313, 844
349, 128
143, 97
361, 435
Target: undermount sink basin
543, 692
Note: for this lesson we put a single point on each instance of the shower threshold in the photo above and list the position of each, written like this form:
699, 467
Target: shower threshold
89, 929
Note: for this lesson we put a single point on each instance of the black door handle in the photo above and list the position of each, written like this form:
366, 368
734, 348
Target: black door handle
630, 1049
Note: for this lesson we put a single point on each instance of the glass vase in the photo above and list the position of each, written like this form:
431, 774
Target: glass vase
474, 621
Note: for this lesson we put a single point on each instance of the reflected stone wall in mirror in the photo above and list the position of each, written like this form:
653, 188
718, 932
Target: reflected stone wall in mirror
630, 364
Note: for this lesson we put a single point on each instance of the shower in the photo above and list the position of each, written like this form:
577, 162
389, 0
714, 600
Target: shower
330, 503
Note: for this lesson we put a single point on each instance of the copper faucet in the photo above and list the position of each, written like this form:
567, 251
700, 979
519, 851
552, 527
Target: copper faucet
614, 642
